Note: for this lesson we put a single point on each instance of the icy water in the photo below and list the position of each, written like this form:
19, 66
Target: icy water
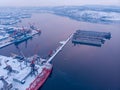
79, 67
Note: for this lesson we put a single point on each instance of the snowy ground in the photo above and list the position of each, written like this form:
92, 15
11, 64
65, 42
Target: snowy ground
19, 73
93, 14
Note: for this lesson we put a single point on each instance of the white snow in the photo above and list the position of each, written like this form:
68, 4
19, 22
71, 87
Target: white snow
20, 75
97, 14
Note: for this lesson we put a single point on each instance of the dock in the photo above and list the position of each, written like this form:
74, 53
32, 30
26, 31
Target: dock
10, 40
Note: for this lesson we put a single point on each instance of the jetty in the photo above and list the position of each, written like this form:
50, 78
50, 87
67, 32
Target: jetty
55, 52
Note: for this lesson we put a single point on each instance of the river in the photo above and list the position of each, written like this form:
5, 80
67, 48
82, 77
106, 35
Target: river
79, 67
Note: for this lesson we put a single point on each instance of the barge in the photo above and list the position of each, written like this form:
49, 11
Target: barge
90, 37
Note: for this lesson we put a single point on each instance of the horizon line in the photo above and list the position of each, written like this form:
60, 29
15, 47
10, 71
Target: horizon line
65, 5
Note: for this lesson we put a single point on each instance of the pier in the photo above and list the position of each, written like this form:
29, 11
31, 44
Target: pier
59, 49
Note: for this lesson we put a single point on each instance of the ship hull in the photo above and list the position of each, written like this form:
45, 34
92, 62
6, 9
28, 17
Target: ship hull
40, 79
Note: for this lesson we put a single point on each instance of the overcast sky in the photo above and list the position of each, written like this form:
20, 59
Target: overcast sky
57, 2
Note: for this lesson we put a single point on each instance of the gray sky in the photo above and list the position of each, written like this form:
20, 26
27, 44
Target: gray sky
56, 2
